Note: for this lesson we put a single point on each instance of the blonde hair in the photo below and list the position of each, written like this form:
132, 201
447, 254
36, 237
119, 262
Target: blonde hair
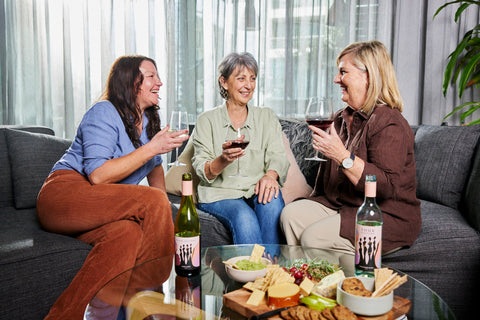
373, 57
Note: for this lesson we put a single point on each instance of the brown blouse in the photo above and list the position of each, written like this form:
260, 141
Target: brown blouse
384, 141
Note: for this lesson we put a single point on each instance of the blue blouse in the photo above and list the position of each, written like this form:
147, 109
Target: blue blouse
101, 136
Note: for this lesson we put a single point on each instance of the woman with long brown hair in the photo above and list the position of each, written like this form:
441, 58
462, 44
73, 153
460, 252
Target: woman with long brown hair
92, 192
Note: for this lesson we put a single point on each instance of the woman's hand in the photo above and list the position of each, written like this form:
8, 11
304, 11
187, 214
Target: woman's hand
164, 141
329, 145
230, 154
267, 187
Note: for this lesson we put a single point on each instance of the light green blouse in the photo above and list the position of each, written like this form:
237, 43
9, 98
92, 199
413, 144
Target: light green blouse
266, 151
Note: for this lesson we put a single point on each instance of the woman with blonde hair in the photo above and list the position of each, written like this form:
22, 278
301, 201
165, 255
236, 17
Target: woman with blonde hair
368, 136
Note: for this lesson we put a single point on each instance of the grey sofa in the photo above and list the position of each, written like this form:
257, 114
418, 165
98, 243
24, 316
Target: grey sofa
36, 266
446, 255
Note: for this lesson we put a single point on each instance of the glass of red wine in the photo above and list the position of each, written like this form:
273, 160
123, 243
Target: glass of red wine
239, 139
319, 113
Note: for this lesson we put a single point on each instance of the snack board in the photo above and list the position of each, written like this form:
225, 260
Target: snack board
237, 301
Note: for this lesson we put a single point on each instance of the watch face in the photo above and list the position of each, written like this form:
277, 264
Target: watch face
347, 163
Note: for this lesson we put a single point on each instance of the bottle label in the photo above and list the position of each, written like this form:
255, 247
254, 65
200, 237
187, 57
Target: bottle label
368, 247
187, 187
370, 189
187, 252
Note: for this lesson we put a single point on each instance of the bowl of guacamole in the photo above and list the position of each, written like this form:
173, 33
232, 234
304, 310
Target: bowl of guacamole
241, 269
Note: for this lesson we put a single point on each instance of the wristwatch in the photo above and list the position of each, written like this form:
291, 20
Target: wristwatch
347, 163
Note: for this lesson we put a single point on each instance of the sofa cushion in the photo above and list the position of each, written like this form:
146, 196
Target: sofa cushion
300, 138
443, 157
32, 156
173, 178
6, 192
296, 185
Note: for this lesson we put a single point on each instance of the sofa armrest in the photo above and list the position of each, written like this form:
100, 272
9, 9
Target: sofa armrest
472, 192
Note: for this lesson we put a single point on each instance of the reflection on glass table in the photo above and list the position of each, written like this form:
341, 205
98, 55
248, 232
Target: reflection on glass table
153, 291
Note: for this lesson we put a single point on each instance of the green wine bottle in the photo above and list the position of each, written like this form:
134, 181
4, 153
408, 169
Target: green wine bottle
187, 233
368, 232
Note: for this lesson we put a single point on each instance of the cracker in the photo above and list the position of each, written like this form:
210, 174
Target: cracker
257, 253
382, 275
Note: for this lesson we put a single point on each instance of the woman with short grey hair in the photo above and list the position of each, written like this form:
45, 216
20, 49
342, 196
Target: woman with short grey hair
250, 205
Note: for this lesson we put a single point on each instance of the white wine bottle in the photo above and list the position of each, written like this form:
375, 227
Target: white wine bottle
187, 233
368, 232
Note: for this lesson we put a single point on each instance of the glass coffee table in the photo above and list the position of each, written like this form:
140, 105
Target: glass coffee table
152, 290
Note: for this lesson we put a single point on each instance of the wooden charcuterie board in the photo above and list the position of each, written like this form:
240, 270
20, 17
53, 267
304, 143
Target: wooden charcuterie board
237, 301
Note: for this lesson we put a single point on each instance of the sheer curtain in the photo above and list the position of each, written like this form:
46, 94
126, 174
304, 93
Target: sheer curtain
295, 44
58, 53
55, 55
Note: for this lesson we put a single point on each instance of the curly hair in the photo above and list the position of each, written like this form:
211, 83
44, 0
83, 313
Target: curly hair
122, 88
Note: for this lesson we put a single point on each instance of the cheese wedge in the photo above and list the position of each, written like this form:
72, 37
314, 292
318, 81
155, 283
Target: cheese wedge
306, 287
327, 287
283, 295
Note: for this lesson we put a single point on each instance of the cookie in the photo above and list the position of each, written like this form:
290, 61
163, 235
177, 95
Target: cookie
342, 312
356, 287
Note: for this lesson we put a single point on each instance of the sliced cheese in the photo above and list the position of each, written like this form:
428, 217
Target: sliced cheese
306, 287
256, 297
327, 287
283, 295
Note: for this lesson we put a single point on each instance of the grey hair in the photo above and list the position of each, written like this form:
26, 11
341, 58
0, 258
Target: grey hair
228, 65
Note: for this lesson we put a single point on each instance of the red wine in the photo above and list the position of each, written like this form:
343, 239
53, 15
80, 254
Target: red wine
320, 123
239, 144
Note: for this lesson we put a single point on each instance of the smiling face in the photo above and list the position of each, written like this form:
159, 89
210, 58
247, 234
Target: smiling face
240, 86
353, 82
148, 91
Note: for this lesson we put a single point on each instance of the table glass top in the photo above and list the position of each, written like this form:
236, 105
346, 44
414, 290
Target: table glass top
153, 291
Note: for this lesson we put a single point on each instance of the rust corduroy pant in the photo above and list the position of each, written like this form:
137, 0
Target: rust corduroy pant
125, 224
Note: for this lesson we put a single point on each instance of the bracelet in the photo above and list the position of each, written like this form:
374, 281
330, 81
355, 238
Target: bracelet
270, 176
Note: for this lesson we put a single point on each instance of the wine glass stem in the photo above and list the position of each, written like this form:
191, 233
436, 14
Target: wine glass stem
176, 155
238, 165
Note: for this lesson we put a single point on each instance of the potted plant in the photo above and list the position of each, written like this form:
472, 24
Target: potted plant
464, 64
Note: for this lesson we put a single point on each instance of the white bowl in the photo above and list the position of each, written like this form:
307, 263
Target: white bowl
242, 275
366, 306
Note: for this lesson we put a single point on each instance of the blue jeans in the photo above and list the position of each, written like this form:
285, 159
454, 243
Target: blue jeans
249, 221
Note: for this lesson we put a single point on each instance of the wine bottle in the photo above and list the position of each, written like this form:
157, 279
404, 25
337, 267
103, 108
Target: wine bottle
187, 233
368, 232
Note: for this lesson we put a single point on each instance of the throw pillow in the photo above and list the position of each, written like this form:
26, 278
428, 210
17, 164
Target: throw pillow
173, 178
295, 185
443, 158
32, 156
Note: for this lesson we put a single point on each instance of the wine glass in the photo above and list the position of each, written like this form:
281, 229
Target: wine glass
178, 121
319, 113
239, 139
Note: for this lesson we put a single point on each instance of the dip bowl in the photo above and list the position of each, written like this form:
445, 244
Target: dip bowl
243, 275
366, 306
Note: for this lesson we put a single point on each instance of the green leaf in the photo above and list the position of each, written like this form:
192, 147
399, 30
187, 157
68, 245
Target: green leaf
452, 62
471, 110
467, 71
460, 10
460, 107
473, 122
475, 79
